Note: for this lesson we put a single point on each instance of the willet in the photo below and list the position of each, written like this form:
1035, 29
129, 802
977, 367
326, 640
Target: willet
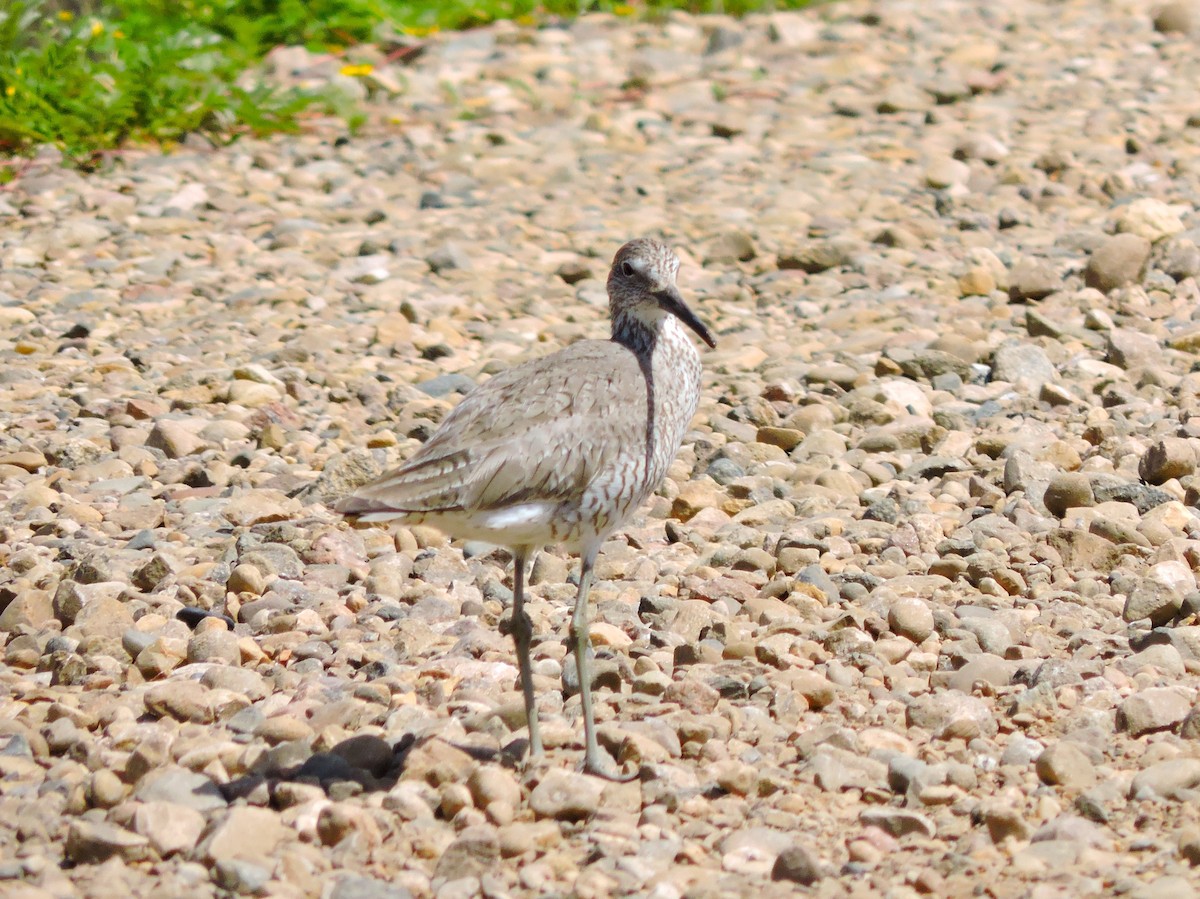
562, 449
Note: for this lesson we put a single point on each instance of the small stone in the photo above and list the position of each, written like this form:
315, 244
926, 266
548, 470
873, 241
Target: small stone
693, 695
898, 822
175, 439
240, 877
910, 617
183, 700
730, 247
1189, 845
1149, 218
945, 172
815, 258
450, 255
367, 752
214, 645
1178, 17
30, 608
178, 786
1172, 779
1068, 490
260, 506
490, 783
92, 842
338, 821
1156, 708
985, 668
104, 616
353, 886
1024, 365
346, 471
1117, 261
1073, 829
106, 789
1032, 279
735, 777
170, 828
148, 577
1159, 595
250, 394
473, 853
1181, 259
1190, 728
566, 797
952, 715
283, 729
1171, 457
246, 579
573, 271
787, 439
976, 281
1065, 764
797, 864
27, 460
1005, 823
244, 832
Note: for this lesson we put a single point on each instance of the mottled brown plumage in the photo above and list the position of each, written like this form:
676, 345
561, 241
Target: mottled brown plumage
561, 449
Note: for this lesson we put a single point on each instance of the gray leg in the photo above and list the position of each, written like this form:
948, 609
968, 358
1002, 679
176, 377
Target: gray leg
593, 761
522, 631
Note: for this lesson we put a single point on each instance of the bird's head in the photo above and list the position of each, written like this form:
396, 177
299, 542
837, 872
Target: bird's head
641, 288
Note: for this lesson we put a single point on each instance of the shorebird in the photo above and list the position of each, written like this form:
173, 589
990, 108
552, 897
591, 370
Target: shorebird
561, 450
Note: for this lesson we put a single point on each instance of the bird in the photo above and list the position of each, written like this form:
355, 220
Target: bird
562, 449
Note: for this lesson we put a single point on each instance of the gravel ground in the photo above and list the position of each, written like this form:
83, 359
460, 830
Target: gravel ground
915, 612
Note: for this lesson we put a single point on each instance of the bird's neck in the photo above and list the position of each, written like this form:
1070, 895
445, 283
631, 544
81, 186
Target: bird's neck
644, 337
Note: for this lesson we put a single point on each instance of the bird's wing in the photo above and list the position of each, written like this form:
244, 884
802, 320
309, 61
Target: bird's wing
538, 432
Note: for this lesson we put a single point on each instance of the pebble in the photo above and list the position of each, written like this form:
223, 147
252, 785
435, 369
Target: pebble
1156, 708
1065, 764
1174, 779
796, 864
1032, 279
1171, 457
564, 797
1117, 261
244, 832
911, 618
170, 828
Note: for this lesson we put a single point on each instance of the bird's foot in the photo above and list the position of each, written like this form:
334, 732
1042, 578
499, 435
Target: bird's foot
598, 765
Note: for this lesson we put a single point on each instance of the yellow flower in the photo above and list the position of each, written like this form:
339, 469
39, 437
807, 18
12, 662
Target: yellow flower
10, 90
65, 15
623, 9
118, 33
97, 28
358, 71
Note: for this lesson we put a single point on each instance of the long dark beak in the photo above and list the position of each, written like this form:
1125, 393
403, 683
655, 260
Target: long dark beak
672, 302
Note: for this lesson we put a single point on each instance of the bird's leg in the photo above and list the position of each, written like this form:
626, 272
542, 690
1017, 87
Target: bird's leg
593, 761
522, 631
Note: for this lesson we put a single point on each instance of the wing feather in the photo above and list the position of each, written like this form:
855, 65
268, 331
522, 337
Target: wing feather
540, 432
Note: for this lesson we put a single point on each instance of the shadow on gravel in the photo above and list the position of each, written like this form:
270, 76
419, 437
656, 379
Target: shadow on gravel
359, 764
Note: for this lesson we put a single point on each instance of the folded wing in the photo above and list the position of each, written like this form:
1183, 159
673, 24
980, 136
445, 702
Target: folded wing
540, 432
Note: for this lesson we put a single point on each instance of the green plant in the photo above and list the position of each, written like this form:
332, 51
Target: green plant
90, 84
89, 76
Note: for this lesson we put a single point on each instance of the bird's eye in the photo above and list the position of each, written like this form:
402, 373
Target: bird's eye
626, 269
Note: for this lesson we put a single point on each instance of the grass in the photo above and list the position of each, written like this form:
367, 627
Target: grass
91, 76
